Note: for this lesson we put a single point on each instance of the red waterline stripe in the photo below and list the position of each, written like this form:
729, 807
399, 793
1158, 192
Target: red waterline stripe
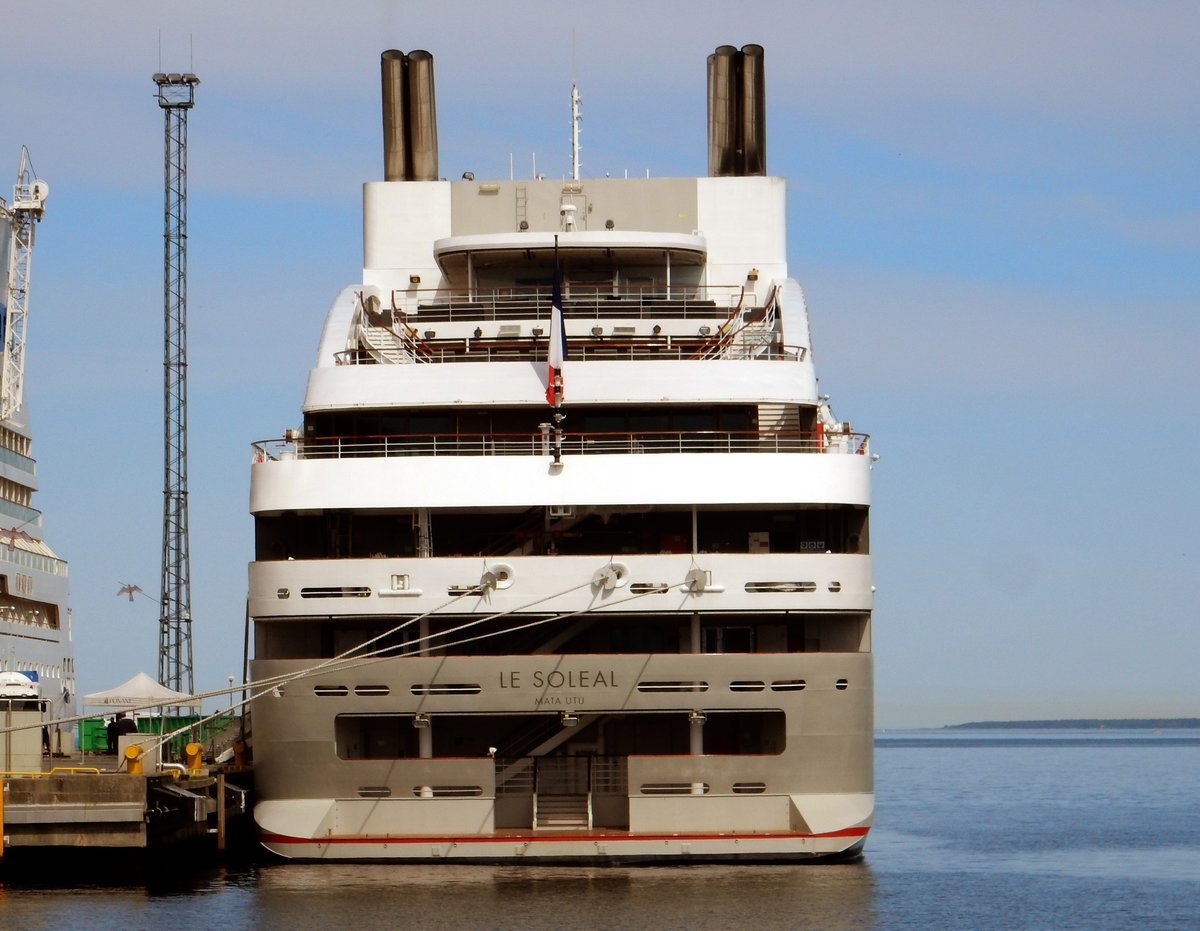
537, 838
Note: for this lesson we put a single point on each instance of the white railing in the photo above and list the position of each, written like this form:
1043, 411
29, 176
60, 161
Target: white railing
375, 350
682, 301
573, 444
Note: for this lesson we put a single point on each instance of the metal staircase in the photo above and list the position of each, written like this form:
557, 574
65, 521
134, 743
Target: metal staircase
562, 812
386, 345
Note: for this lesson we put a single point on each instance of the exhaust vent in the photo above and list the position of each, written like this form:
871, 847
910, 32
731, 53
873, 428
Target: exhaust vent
737, 112
409, 116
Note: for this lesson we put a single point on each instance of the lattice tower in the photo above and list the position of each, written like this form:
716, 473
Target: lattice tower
176, 96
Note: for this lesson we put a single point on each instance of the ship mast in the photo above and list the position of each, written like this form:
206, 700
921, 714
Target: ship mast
575, 118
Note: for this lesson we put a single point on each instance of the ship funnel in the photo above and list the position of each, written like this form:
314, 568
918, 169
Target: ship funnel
737, 117
409, 116
395, 145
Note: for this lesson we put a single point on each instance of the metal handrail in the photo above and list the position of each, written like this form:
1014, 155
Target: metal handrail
678, 301
533, 349
537, 444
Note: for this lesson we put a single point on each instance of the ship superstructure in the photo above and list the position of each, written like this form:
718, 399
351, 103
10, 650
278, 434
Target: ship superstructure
632, 625
35, 622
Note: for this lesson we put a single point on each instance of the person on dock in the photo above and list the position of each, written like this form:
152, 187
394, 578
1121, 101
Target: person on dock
120, 726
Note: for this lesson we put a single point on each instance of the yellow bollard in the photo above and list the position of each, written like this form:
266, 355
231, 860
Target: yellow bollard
195, 758
133, 759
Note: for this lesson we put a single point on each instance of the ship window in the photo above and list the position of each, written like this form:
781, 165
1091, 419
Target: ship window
368, 690
746, 685
374, 791
336, 592
375, 736
602, 423
778, 587
749, 788
330, 691
727, 640
697, 421
842, 685
674, 788
657, 588
788, 685
430, 423
447, 791
446, 689
649, 423
672, 686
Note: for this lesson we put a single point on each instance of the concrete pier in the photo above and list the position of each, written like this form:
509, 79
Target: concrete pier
83, 808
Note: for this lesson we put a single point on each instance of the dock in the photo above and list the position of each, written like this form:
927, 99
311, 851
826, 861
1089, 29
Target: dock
82, 808
99, 804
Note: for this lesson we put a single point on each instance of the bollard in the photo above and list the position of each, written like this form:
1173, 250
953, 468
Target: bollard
195, 758
133, 759
239, 752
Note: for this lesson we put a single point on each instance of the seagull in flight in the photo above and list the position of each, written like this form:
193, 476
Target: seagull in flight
131, 590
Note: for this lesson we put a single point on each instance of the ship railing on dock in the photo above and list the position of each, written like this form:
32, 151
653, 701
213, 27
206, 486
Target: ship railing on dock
538, 444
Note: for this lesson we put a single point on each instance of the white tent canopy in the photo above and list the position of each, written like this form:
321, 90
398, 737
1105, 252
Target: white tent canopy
139, 692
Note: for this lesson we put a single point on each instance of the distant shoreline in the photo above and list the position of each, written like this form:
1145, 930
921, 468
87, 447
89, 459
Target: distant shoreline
1083, 724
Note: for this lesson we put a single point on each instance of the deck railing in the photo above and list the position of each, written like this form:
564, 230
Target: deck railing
533, 349
646, 302
573, 444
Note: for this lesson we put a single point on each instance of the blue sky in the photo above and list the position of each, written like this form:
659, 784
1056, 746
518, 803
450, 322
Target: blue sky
994, 209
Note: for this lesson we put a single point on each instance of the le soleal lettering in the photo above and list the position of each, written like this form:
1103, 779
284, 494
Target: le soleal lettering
559, 679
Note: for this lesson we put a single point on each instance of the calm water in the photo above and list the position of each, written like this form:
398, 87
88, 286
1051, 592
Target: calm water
973, 830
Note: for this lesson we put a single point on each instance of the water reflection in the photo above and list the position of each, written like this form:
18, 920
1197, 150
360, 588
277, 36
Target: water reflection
452, 896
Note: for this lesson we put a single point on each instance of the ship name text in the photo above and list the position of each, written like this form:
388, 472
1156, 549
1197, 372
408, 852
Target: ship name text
560, 679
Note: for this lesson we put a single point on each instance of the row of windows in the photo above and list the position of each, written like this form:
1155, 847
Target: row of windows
582, 531
610, 634
43, 670
660, 419
564, 678
661, 733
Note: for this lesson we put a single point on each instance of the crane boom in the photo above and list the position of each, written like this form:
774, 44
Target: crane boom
28, 206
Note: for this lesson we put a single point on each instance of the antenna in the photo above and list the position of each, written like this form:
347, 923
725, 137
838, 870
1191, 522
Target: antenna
176, 96
575, 117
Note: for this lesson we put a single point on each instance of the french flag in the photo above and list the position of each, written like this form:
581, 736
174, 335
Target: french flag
557, 351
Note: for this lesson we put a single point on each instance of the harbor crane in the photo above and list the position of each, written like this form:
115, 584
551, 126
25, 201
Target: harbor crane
21, 218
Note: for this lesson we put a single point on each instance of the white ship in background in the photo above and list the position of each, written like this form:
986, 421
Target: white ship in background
635, 625
35, 622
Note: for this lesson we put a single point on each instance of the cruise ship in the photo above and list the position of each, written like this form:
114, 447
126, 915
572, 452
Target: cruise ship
568, 560
37, 658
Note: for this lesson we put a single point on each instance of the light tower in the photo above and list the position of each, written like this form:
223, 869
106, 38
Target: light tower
176, 95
